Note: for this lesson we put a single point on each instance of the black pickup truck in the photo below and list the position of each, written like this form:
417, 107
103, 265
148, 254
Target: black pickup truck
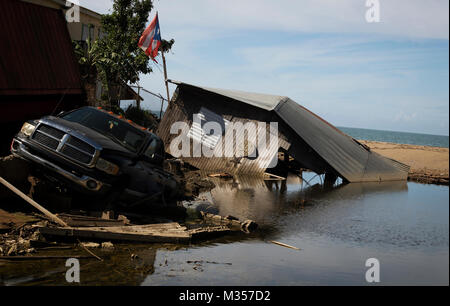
98, 154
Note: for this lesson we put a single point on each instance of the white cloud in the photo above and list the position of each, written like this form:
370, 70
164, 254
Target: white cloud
410, 18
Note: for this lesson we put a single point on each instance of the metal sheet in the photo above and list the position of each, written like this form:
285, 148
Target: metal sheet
37, 55
350, 159
327, 144
264, 101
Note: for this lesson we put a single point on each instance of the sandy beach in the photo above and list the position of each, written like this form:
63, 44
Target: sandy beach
428, 164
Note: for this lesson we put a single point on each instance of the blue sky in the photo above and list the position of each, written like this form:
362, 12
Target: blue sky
391, 75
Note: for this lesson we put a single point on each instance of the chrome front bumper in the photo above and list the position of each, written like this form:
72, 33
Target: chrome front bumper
84, 180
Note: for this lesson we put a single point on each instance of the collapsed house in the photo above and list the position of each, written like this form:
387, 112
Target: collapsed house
303, 137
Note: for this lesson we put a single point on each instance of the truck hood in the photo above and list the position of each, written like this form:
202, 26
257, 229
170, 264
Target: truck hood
96, 137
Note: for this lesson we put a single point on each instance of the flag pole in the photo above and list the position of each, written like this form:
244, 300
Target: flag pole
165, 73
165, 76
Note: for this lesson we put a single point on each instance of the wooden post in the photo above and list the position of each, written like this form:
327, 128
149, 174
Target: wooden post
160, 111
33, 203
138, 100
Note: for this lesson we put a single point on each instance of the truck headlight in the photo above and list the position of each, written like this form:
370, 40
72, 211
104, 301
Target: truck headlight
107, 166
27, 129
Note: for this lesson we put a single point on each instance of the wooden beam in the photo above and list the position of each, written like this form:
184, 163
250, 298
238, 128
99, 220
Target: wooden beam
33, 203
161, 233
86, 221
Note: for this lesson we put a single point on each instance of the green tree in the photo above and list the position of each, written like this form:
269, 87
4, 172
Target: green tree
116, 57
90, 69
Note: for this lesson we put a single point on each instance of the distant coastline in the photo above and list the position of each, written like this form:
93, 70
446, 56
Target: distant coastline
398, 137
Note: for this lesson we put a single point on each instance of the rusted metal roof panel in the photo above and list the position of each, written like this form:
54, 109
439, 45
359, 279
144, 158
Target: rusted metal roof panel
37, 55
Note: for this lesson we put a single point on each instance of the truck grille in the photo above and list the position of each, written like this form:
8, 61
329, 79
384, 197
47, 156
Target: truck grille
65, 144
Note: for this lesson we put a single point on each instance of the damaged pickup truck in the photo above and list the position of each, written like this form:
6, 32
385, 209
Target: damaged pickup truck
97, 154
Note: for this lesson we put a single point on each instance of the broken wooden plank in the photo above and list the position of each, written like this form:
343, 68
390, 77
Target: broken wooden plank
270, 176
162, 233
171, 232
33, 203
87, 221
284, 245
89, 251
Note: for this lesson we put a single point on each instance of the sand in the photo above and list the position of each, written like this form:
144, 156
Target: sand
428, 164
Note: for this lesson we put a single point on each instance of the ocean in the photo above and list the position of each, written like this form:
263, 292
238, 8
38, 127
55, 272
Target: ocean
398, 137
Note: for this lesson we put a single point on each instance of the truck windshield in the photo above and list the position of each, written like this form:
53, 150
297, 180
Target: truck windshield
109, 126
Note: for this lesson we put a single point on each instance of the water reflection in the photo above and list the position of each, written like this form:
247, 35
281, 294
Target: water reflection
404, 225
118, 267
264, 200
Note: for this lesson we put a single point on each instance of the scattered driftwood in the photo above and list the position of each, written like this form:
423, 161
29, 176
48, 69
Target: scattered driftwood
232, 222
284, 245
33, 203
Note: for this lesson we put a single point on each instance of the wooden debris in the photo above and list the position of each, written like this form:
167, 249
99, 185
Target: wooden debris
171, 232
33, 203
107, 245
20, 258
85, 221
89, 251
209, 232
108, 215
284, 245
221, 175
232, 222
162, 233
270, 176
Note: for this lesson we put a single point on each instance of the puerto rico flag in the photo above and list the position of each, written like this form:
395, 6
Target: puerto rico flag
151, 39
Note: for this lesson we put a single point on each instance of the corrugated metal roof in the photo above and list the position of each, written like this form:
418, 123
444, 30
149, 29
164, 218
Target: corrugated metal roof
350, 159
346, 156
37, 55
264, 101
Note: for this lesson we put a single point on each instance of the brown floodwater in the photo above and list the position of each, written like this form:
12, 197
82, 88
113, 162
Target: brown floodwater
337, 228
